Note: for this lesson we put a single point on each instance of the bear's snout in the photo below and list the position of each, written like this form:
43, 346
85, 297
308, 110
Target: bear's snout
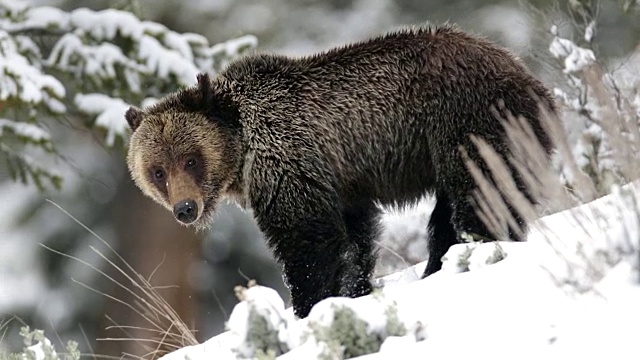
186, 211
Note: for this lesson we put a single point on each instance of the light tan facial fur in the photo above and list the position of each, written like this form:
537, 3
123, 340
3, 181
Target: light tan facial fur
166, 142
181, 186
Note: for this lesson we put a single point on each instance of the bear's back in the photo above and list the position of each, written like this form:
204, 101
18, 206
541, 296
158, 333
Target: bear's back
383, 111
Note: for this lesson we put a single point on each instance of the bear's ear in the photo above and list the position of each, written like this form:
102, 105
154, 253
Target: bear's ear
213, 104
134, 117
204, 88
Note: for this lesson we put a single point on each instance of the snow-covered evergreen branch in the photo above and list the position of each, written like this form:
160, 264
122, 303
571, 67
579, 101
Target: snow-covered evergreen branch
92, 64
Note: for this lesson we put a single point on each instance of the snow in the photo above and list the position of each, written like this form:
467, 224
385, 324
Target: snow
196, 39
71, 54
165, 62
178, 43
110, 113
569, 102
106, 24
30, 131
570, 291
46, 17
101, 60
21, 79
86, 48
42, 350
232, 47
16, 6
575, 57
90, 48
259, 301
589, 31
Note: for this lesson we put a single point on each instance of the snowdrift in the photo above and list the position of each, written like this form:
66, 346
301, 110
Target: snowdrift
570, 291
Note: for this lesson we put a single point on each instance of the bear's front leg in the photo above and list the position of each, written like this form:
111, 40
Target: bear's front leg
303, 223
313, 262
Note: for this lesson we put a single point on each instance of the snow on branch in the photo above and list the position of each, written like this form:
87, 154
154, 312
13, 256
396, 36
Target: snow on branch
29, 132
24, 81
156, 50
98, 61
110, 113
230, 49
164, 62
575, 57
88, 47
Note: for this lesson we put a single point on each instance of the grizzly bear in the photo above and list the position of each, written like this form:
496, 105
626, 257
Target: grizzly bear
313, 145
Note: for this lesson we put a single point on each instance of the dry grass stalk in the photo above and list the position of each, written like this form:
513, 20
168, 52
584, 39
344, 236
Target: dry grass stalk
498, 192
171, 332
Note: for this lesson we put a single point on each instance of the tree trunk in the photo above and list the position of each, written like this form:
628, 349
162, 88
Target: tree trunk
162, 251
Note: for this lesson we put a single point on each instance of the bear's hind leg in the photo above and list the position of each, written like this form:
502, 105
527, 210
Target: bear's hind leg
441, 233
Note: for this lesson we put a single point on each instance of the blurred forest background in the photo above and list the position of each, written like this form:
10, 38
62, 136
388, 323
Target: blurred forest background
41, 288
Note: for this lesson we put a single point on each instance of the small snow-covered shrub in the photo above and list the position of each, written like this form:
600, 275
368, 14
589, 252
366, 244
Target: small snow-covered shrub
456, 259
337, 328
354, 328
348, 334
38, 347
472, 256
260, 326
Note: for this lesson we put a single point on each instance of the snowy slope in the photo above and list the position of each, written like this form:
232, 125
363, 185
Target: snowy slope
514, 300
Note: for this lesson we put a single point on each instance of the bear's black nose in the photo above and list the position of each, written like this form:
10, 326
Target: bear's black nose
186, 211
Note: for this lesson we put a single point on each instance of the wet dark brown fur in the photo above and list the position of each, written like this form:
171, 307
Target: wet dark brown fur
313, 144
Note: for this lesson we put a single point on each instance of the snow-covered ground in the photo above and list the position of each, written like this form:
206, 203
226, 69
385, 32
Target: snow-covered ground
570, 292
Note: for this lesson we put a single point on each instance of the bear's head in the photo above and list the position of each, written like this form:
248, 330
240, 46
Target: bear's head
183, 151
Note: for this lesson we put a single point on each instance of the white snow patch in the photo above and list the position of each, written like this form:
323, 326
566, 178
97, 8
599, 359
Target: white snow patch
589, 31
529, 302
178, 43
46, 17
575, 57
110, 113
31, 131
42, 350
21, 79
230, 49
396, 345
263, 302
16, 6
106, 24
71, 54
310, 349
165, 62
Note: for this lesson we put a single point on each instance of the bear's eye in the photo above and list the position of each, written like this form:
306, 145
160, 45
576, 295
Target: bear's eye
158, 175
191, 162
